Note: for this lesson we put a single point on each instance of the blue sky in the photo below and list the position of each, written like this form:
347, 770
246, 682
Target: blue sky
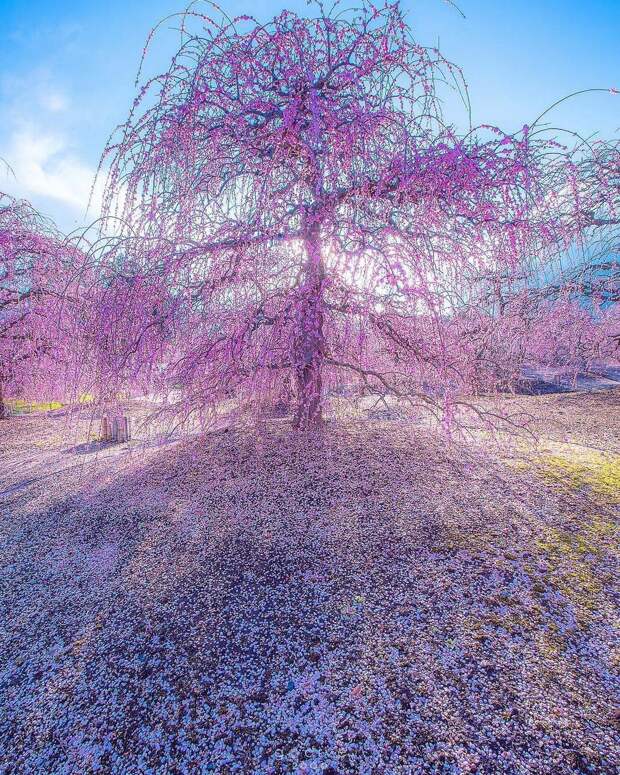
67, 74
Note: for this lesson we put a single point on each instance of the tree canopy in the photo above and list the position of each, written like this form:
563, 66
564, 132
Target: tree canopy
293, 214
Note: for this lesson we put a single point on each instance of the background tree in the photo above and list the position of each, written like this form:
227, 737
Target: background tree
37, 273
127, 323
293, 192
573, 302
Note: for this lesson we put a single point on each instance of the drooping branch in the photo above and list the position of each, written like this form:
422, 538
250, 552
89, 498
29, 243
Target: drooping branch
293, 204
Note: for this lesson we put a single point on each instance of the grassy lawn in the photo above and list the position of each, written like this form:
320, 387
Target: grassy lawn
26, 406
19, 406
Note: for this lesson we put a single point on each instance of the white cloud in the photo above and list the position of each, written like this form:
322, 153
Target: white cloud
45, 166
37, 141
54, 101
42, 89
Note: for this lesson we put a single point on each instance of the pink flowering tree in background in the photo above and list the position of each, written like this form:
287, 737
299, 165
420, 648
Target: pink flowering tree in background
127, 324
38, 304
297, 216
573, 305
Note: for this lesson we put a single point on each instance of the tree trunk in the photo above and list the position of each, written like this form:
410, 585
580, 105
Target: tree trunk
3, 410
309, 344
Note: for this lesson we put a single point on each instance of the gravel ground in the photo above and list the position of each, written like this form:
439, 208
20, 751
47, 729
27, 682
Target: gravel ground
365, 601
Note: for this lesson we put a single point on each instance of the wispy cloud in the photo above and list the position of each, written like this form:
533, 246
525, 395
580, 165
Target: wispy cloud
36, 90
44, 165
38, 139
54, 101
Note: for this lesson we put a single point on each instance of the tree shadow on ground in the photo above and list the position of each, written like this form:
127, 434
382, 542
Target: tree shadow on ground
354, 601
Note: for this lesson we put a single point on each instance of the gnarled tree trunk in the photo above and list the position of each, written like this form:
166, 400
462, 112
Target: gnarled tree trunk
3, 409
309, 345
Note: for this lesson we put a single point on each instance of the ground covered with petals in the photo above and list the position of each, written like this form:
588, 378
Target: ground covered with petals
366, 600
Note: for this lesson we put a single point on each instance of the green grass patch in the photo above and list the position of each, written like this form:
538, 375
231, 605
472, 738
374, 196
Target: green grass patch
573, 558
598, 472
576, 469
26, 406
